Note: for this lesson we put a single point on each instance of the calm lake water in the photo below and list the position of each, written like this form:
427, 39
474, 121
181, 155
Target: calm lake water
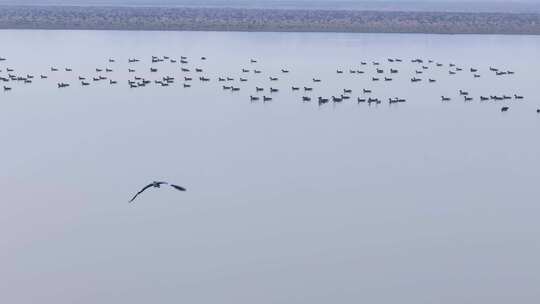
287, 202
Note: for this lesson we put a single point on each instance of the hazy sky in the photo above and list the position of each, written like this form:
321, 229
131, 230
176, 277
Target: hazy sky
180, 2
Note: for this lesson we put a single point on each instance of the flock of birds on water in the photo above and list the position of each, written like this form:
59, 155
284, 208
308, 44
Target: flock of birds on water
260, 93
263, 94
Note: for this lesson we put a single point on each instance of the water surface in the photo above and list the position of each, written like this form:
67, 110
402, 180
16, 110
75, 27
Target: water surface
287, 202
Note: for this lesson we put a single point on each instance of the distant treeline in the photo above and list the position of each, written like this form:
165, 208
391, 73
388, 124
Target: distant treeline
238, 19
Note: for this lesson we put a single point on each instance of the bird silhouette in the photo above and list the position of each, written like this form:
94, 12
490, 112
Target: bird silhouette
156, 184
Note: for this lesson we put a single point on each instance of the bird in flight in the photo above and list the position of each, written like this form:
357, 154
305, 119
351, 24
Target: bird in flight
156, 185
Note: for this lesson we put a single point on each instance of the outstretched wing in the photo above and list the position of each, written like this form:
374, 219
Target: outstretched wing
178, 187
142, 190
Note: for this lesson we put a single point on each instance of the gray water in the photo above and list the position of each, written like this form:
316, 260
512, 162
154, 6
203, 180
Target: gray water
287, 202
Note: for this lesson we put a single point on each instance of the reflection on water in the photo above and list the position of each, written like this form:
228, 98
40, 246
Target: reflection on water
424, 200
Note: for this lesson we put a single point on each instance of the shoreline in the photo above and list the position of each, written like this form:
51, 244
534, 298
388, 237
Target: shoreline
265, 32
264, 20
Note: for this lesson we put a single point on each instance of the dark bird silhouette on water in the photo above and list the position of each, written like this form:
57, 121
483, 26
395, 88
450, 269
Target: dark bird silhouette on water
156, 185
322, 100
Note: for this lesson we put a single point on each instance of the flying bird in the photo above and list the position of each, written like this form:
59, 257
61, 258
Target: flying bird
156, 185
